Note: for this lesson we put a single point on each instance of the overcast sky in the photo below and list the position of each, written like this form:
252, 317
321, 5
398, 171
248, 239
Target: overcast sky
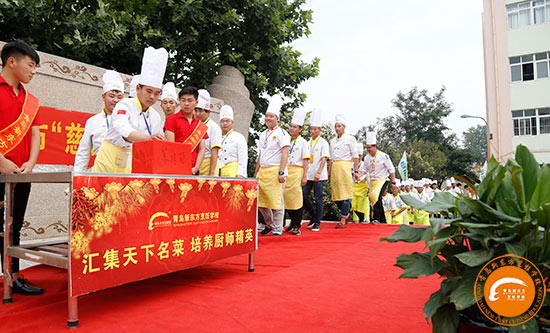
370, 50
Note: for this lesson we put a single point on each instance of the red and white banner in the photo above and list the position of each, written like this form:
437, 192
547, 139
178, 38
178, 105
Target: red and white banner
128, 228
60, 134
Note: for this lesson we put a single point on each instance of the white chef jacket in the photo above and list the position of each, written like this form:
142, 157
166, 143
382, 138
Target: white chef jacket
92, 138
299, 151
234, 149
424, 197
318, 148
270, 144
128, 117
343, 148
379, 166
387, 202
214, 137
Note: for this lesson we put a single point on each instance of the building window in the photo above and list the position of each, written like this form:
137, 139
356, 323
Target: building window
525, 13
531, 121
544, 120
530, 67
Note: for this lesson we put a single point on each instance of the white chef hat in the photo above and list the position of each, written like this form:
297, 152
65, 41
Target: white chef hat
427, 181
407, 182
299, 117
371, 138
169, 91
153, 67
448, 183
418, 183
112, 81
340, 118
434, 182
204, 100
453, 181
397, 182
133, 84
275, 105
226, 112
316, 118
359, 148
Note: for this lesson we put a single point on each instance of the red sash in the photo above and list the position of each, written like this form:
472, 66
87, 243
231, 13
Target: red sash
195, 137
12, 135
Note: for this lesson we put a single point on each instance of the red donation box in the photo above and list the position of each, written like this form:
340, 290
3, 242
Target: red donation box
161, 157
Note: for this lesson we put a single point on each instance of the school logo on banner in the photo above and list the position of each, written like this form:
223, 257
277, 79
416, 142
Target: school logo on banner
509, 290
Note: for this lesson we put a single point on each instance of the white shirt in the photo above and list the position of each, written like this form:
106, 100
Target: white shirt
424, 197
343, 148
128, 117
94, 134
398, 202
214, 137
270, 145
387, 202
457, 190
299, 151
234, 149
378, 166
318, 149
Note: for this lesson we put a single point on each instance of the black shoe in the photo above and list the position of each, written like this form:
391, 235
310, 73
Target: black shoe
289, 229
310, 224
376, 222
316, 227
296, 232
277, 234
266, 231
22, 286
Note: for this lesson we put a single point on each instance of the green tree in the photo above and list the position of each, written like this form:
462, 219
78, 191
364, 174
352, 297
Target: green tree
200, 35
475, 141
419, 129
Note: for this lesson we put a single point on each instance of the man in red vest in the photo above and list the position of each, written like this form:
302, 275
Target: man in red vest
19, 139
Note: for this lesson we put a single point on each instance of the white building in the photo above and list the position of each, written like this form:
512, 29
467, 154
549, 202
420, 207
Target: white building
516, 42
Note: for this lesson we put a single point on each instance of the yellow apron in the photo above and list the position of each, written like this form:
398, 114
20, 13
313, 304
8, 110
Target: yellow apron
360, 202
293, 188
341, 181
421, 217
204, 170
410, 215
229, 170
387, 213
113, 159
399, 218
374, 190
270, 190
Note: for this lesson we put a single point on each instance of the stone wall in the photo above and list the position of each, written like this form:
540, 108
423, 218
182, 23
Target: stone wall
71, 85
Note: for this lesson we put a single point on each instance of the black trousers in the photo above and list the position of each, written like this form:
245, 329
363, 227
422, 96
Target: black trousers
378, 209
295, 217
20, 197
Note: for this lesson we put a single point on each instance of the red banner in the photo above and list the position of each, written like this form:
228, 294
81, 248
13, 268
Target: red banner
126, 229
60, 134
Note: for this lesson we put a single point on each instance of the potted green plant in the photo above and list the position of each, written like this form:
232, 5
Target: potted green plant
511, 215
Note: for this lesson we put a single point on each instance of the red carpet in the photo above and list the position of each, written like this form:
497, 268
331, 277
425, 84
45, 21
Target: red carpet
327, 281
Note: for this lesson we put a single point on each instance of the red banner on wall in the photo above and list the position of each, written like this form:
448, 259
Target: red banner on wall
60, 134
126, 229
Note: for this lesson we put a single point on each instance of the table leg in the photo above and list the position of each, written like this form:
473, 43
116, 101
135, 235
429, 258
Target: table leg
72, 321
251, 262
8, 241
